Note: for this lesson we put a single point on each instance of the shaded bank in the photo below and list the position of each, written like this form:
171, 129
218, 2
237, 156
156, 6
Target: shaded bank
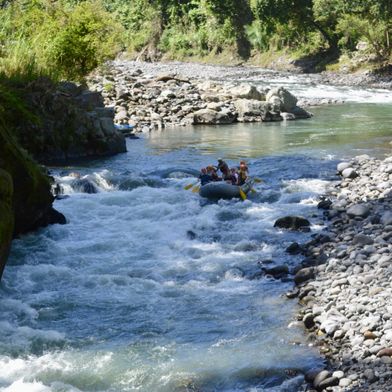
25, 196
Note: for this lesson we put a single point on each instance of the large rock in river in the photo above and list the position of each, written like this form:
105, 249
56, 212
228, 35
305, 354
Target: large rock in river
293, 223
246, 91
209, 116
251, 109
283, 97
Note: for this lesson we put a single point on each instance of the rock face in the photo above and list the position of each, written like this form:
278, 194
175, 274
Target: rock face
72, 123
25, 197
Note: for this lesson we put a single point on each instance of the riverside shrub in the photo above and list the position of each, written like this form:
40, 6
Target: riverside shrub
55, 39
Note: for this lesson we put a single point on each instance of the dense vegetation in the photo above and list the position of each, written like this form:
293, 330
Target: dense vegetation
68, 38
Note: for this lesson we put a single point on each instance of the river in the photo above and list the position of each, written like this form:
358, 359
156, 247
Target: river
149, 288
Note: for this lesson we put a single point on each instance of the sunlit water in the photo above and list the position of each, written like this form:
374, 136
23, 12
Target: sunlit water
150, 288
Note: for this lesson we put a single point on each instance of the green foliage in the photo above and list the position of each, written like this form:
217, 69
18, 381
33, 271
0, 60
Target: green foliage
54, 39
68, 38
258, 35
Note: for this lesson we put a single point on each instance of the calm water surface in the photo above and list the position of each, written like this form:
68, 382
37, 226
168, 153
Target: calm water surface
149, 288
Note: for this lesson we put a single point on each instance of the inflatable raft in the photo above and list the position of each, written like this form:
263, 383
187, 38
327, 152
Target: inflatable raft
222, 190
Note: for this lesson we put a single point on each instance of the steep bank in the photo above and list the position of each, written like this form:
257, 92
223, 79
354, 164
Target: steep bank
25, 196
346, 298
55, 123
72, 123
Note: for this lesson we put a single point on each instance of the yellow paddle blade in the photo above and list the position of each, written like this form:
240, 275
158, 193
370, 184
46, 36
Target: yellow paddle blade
253, 190
189, 186
195, 189
242, 194
257, 180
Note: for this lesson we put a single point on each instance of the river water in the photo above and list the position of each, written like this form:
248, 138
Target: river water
150, 288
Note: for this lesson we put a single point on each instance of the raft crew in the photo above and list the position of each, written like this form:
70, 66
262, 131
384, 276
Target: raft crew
234, 176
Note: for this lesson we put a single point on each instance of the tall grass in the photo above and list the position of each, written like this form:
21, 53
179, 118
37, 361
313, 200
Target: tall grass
55, 39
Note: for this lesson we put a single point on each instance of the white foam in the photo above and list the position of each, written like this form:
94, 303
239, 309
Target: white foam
22, 386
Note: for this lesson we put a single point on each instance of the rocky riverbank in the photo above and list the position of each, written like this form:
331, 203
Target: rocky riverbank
70, 122
146, 97
344, 284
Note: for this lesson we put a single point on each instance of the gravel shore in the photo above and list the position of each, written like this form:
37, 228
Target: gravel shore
345, 281
225, 72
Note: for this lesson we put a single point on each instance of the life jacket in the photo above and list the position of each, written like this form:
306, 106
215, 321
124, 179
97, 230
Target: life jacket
234, 178
242, 176
205, 178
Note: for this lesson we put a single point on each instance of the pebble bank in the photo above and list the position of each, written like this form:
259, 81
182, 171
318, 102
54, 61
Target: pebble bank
345, 283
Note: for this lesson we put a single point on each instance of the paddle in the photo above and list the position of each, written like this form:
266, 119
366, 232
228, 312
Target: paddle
196, 189
242, 194
189, 186
258, 180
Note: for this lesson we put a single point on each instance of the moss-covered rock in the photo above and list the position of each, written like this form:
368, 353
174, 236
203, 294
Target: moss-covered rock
25, 194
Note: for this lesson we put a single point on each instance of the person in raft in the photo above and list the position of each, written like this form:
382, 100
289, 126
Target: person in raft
204, 177
242, 173
234, 176
224, 169
212, 172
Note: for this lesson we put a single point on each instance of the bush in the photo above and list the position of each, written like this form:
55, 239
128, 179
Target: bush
45, 38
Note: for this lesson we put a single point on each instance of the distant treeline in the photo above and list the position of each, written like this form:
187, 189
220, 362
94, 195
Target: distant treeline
68, 38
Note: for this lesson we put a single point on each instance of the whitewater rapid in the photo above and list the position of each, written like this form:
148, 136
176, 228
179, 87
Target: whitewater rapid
150, 288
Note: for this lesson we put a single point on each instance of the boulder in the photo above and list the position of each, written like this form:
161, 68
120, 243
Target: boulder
328, 382
209, 116
84, 185
278, 270
308, 320
246, 91
358, 210
287, 100
349, 173
303, 275
385, 352
321, 376
300, 113
292, 223
89, 100
362, 239
294, 249
343, 165
248, 109
386, 218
